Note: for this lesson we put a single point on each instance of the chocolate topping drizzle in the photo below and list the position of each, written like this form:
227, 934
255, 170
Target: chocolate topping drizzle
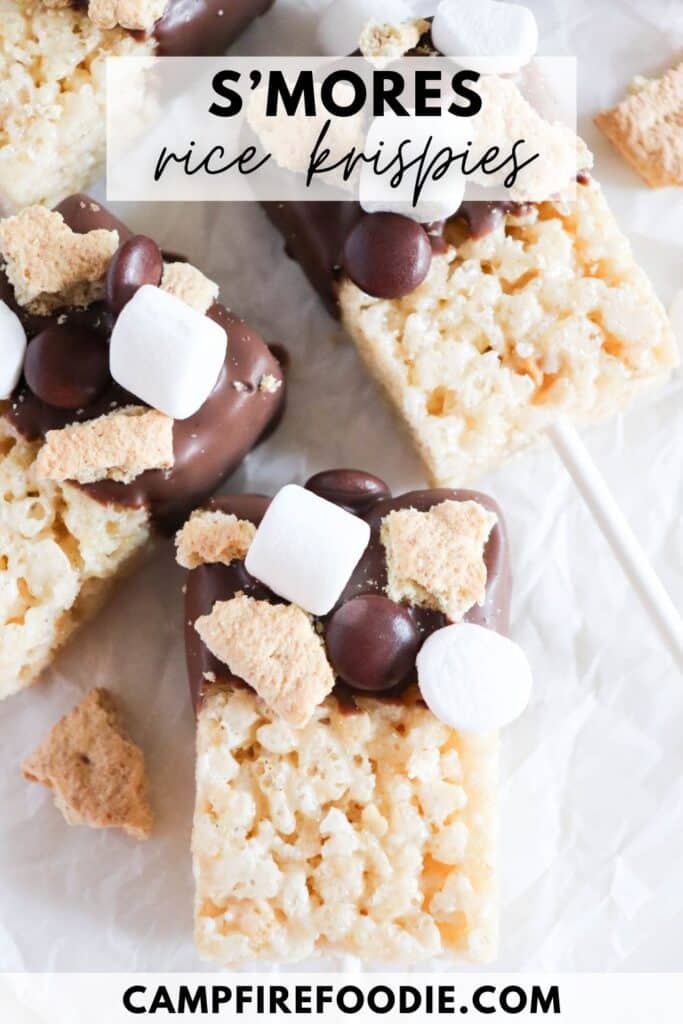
208, 446
369, 497
204, 28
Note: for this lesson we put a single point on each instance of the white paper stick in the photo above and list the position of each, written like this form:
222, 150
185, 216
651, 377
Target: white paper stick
619, 535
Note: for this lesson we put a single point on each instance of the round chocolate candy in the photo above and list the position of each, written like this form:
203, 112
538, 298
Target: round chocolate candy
67, 366
372, 642
138, 261
387, 255
353, 489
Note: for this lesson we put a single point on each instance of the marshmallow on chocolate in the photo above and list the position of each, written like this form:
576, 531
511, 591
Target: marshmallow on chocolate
306, 548
166, 353
438, 199
12, 350
472, 678
491, 37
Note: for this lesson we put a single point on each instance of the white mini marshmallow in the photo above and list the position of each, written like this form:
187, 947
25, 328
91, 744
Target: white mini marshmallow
306, 548
438, 199
12, 350
472, 678
166, 353
342, 22
504, 35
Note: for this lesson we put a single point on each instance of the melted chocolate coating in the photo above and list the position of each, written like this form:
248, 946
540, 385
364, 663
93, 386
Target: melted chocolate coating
204, 28
315, 235
208, 446
199, 28
210, 583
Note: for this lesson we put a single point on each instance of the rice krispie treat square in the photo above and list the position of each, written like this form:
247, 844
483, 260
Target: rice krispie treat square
370, 833
53, 58
335, 811
90, 474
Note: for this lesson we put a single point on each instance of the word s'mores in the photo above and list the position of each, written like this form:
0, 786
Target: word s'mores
483, 327
128, 393
349, 669
53, 57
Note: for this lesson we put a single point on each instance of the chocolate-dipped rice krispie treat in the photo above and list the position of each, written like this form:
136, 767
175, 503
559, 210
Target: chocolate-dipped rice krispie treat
349, 667
484, 327
52, 78
128, 393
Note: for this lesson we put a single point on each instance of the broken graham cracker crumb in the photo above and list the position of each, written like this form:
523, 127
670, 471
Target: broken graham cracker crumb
275, 649
49, 265
647, 129
213, 537
118, 446
96, 773
269, 384
190, 285
131, 14
436, 558
392, 41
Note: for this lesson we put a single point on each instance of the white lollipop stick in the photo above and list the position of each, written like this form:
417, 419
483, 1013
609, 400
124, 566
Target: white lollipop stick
619, 535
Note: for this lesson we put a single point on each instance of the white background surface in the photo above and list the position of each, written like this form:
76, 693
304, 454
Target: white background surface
592, 803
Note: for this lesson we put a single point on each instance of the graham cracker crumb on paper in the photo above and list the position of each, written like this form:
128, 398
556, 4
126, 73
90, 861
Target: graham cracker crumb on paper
213, 537
118, 446
275, 649
97, 774
49, 265
131, 14
189, 284
391, 41
647, 128
436, 558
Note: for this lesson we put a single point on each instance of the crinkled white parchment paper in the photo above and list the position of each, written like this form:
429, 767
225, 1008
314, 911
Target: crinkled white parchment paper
592, 804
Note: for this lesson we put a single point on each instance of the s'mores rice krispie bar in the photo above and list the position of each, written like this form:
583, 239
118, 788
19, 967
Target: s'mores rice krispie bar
349, 670
53, 57
127, 394
486, 326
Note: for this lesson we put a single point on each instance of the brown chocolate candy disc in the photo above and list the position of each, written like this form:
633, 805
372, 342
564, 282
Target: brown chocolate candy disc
372, 642
67, 366
351, 488
387, 255
138, 261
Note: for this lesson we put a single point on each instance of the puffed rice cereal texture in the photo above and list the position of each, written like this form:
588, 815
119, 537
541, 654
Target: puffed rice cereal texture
368, 833
52, 100
548, 314
60, 553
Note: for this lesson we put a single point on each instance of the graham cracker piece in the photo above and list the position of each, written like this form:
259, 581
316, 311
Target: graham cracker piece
647, 129
49, 265
117, 446
96, 772
436, 558
391, 41
213, 537
269, 384
189, 284
131, 14
275, 649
